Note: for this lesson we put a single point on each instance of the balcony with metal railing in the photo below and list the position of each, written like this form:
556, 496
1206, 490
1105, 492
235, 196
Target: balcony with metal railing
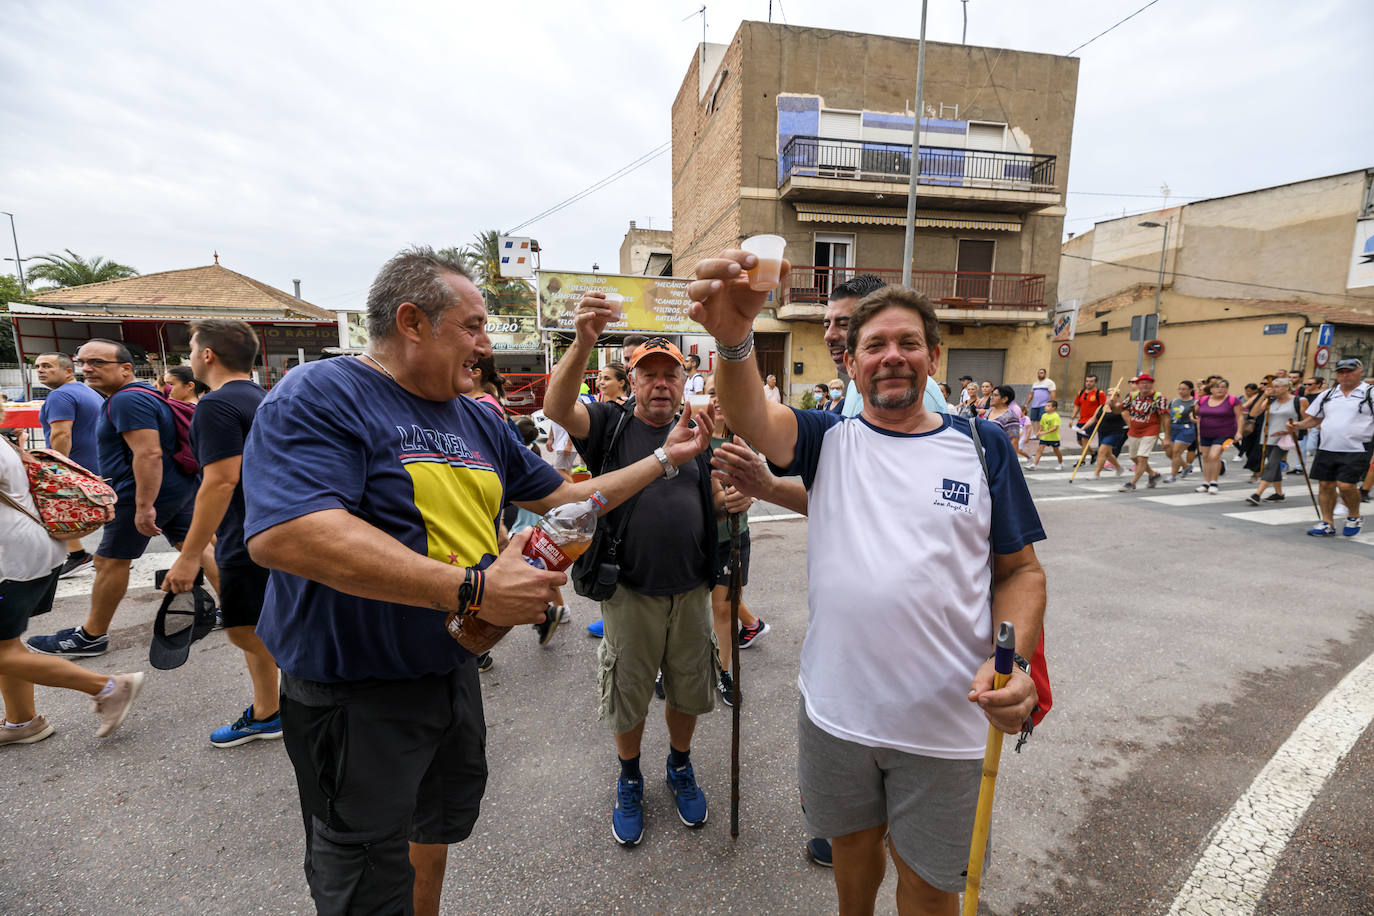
958, 295
821, 168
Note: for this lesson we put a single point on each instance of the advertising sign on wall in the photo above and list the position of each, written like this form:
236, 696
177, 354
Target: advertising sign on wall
653, 305
1066, 320
1362, 259
513, 333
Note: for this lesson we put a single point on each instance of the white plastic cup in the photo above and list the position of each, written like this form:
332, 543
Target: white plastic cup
768, 249
616, 303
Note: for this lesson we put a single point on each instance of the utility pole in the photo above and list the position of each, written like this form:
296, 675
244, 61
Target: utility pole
18, 261
908, 247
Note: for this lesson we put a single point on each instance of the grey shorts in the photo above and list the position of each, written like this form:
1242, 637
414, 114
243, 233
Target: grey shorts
928, 803
646, 634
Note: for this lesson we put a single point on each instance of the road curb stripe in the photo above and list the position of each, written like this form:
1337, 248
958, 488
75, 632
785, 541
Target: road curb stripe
1245, 847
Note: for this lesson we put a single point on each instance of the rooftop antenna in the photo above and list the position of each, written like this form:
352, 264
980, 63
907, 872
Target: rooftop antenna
965, 38
702, 13
1164, 190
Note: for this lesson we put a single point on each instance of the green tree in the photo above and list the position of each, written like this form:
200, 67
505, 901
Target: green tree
505, 296
9, 292
74, 270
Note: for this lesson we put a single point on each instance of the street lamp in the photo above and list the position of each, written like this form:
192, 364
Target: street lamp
18, 261
1164, 246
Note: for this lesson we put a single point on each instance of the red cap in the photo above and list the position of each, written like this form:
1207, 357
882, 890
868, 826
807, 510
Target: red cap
1144, 377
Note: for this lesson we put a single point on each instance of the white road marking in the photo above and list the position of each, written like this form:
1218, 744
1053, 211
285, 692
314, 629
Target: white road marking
786, 516
140, 574
1061, 499
1233, 870
1289, 515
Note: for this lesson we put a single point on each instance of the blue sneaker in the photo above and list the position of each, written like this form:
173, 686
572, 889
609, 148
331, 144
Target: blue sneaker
597, 629
627, 821
1352, 526
1322, 530
246, 729
691, 802
71, 643
818, 848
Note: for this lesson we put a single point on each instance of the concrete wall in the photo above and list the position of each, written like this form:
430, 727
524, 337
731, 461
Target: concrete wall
1297, 235
1201, 336
639, 243
1288, 242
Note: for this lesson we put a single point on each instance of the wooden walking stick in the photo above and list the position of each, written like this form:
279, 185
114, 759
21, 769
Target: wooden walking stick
1002, 661
1302, 463
734, 591
1083, 453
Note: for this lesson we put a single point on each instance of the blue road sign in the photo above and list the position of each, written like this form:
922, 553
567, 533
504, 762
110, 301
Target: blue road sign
1325, 334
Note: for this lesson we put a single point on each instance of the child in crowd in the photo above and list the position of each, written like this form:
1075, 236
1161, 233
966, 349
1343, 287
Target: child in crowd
1049, 435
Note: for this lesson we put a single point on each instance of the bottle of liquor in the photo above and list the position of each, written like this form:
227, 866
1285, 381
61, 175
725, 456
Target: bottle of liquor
559, 538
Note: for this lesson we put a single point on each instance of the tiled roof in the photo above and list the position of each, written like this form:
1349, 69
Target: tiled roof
210, 287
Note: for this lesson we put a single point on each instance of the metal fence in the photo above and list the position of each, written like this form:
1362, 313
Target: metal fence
818, 157
946, 288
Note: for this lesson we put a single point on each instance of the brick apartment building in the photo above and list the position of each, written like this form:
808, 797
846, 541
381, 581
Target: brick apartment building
806, 133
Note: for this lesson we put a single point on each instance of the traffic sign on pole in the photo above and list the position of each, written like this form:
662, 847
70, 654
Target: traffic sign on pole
1064, 350
1321, 357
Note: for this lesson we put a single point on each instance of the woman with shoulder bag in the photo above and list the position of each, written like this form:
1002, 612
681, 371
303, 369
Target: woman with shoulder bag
28, 584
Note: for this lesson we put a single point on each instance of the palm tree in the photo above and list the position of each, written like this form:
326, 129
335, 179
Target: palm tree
503, 295
74, 270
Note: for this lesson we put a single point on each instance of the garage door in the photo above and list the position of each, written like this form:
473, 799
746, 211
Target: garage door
982, 365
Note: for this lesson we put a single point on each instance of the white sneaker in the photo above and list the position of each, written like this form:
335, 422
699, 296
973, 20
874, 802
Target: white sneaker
1341, 510
1119, 470
1059, 466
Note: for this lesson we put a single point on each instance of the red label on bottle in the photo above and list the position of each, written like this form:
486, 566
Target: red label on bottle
541, 547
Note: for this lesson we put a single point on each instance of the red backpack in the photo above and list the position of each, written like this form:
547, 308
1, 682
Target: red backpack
72, 501
181, 416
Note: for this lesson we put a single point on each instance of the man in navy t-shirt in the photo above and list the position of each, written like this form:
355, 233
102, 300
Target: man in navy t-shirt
135, 443
70, 416
374, 490
893, 674
222, 354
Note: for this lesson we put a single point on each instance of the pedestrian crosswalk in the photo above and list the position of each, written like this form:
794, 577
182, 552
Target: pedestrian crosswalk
1296, 514
140, 574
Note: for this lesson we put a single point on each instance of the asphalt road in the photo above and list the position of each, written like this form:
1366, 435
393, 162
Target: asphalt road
1186, 642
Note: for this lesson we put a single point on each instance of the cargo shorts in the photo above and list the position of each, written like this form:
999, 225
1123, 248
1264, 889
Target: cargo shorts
646, 634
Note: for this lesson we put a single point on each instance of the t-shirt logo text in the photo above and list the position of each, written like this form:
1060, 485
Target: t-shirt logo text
419, 439
955, 491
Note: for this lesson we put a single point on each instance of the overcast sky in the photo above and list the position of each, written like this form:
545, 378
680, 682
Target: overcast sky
313, 140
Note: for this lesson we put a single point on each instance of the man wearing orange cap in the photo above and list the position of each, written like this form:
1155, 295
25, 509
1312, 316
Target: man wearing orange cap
656, 558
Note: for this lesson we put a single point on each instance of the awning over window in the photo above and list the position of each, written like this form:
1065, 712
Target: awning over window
855, 215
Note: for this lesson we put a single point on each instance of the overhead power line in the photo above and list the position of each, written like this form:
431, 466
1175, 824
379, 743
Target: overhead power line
597, 186
1154, 270
1100, 34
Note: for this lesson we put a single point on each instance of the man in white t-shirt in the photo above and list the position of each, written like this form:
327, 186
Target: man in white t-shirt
1042, 392
770, 390
696, 382
1345, 415
896, 692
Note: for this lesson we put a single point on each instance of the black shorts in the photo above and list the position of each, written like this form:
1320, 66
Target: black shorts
21, 600
381, 764
241, 590
1113, 440
1343, 467
723, 560
120, 539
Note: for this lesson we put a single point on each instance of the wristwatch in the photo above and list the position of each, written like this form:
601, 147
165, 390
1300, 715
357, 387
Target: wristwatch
669, 470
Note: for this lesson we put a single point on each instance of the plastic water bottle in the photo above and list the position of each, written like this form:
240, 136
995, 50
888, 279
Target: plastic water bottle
564, 534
